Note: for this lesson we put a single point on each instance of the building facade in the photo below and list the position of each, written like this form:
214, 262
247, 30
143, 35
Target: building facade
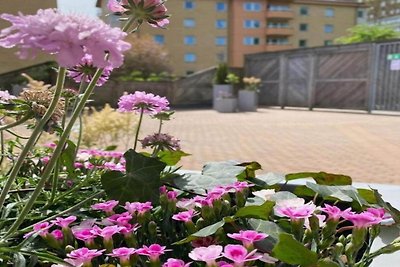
8, 60
386, 12
205, 32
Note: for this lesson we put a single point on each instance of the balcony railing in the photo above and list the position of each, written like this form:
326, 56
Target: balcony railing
283, 31
280, 14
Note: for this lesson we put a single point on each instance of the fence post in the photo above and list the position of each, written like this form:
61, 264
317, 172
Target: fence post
372, 77
282, 80
312, 80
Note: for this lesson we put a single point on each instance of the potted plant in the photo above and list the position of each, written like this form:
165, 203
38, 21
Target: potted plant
225, 102
221, 85
248, 100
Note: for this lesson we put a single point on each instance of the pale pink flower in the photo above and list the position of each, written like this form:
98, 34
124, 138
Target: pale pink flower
184, 216
217, 192
295, 209
57, 234
84, 255
248, 237
171, 262
129, 228
207, 254
140, 207
334, 213
238, 186
204, 201
268, 259
5, 96
186, 204
153, 251
106, 206
264, 194
64, 222
122, 253
106, 232
74, 263
364, 219
68, 36
141, 101
41, 229
84, 234
120, 219
85, 71
239, 255
224, 264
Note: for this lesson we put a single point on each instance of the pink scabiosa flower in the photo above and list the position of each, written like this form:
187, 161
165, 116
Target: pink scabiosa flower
139, 207
207, 254
161, 141
64, 222
295, 209
153, 251
123, 254
41, 229
151, 11
239, 255
171, 262
248, 237
67, 36
106, 206
184, 216
85, 71
142, 102
84, 255
364, 219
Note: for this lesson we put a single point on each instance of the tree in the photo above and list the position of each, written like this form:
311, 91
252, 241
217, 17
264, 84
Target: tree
145, 57
368, 33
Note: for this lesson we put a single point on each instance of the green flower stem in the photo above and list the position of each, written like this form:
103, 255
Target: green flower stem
138, 129
56, 154
65, 112
160, 126
36, 132
80, 92
128, 24
17, 135
16, 123
2, 150
80, 133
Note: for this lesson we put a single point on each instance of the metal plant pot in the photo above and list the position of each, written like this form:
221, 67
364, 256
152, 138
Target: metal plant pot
248, 100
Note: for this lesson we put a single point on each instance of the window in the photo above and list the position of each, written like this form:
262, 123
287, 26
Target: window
190, 57
329, 12
189, 40
220, 40
159, 39
304, 11
328, 42
187, 4
278, 41
272, 7
220, 6
251, 23
189, 23
302, 43
272, 24
303, 27
249, 40
328, 28
251, 6
220, 24
360, 14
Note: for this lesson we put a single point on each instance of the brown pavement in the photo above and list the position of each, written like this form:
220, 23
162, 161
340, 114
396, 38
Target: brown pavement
364, 146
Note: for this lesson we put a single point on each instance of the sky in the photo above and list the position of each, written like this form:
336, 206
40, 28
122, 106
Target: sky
86, 7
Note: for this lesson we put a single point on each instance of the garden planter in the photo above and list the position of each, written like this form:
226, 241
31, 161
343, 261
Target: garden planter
248, 100
225, 105
221, 91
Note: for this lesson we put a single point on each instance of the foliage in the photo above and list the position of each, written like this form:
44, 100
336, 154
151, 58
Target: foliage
251, 83
368, 33
221, 74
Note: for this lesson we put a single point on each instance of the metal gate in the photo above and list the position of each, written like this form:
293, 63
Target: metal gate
386, 90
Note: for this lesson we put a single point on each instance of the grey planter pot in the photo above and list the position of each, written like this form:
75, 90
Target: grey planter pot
248, 100
221, 91
225, 105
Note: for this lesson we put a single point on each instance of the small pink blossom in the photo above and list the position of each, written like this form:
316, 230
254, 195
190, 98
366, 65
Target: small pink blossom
106, 206
239, 186
41, 229
64, 222
239, 255
107, 232
128, 228
57, 234
84, 234
364, 219
248, 237
295, 209
84, 255
120, 219
184, 216
141, 101
140, 207
186, 204
334, 213
207, 254
171, 262
123, 253
153, 251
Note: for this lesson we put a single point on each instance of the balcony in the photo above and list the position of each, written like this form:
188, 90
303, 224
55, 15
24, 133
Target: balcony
280, 14
278, 47
279, 31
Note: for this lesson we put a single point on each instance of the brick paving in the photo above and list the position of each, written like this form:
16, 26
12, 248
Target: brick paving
364, 146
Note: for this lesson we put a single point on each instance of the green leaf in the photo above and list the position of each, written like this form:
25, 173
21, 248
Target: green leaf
394, 212
141, 182
368, 195
221, 170
321, 178
270, 178
327, 263
268, 227
257, 212
250, 171
68, 157
292, 251
111, 148
206, 231
171, 158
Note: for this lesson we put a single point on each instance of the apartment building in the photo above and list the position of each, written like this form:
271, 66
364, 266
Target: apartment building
8, 60
205, 32
386, 12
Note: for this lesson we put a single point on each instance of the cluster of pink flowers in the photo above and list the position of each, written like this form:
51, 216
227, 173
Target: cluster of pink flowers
152, 11
70, 37
143, 102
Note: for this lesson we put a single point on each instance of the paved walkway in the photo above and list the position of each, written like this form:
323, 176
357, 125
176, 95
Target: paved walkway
366, 147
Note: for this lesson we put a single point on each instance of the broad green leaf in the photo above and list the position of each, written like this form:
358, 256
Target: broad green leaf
368, 195
268, 227
221, 170
141, 182
291, 251
321, 178
250, 171
394, 212
68, 157
171, 158
282, 195
257, 212
269, 179
327, 263
206, 231
111, 148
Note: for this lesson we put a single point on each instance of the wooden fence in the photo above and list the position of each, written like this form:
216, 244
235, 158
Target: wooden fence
359, 76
